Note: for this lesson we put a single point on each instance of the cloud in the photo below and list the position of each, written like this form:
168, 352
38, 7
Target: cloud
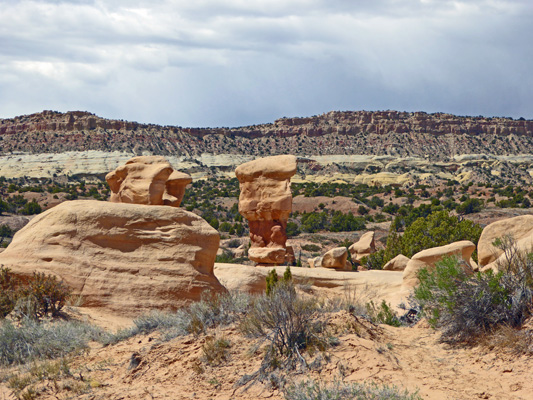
237, 62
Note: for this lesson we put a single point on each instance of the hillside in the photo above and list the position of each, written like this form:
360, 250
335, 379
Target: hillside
336, 145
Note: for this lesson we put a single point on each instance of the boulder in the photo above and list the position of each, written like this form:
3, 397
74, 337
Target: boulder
335, 258
147, 180
266, 202
398, 263
363, 247
519, 228
124, 258
427, 259
315, 262
243, 278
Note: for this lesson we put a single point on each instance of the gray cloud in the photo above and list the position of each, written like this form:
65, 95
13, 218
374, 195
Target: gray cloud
237, 62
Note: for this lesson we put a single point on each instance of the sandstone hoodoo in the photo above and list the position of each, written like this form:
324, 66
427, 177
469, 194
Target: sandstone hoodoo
148, 180
125, 258
266, 202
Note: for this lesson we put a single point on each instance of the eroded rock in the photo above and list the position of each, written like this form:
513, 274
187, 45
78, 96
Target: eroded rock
266, 202
398, 263
149, 180
429, 257
519, 228
363, 247
336, 258
124, 258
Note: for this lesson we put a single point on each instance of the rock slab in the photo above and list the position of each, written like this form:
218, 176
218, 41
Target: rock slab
124, 258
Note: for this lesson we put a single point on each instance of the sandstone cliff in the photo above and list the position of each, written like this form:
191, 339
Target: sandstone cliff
436, 136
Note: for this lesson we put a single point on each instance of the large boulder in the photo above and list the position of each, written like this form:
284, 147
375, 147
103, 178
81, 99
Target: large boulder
335, 258
147, 180
429, 257
266, 202
519, 228
398, 263
124, 258
363, 247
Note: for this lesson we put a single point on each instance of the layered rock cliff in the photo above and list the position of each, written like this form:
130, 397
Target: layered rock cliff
437, 136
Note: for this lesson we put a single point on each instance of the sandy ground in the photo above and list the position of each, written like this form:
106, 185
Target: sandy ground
412, 358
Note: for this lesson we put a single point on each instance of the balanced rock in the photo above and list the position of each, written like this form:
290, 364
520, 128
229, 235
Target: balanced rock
147, 180
429, 257
335, 258
519, 228
124, 258
266, 202
363, 247
398, 263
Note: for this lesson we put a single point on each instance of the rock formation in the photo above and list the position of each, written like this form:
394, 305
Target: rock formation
429, 257
398, 263
266, 202
336, 258
147, 180
125, 258
519, 228
363, 247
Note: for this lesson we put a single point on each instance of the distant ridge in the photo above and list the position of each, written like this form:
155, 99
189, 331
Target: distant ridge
435, 136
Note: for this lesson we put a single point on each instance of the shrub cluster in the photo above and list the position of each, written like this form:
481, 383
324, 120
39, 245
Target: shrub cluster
33, 340
41, 295
312, 390
467, 307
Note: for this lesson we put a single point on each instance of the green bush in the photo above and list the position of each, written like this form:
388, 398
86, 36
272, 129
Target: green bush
437, 229
466, 306
382, 314
312, 390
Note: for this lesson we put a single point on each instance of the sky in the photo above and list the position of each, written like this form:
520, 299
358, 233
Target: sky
209, 63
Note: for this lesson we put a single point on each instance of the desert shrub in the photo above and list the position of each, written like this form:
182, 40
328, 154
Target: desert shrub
215, 350
375, 260
33, 340
7, 292
233, 243
39, 296
209, 312
312, 390
286, 322
382, 314
272, 279
467, 307
311, 247
225, 257
292, 229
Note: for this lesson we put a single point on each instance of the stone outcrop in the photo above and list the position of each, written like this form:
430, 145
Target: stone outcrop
149, 180
336, 258
398, 263
519, 228
363, 247
427, 259
125, 258
266, 202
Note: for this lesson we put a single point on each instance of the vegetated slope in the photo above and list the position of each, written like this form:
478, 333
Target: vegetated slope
434, 136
